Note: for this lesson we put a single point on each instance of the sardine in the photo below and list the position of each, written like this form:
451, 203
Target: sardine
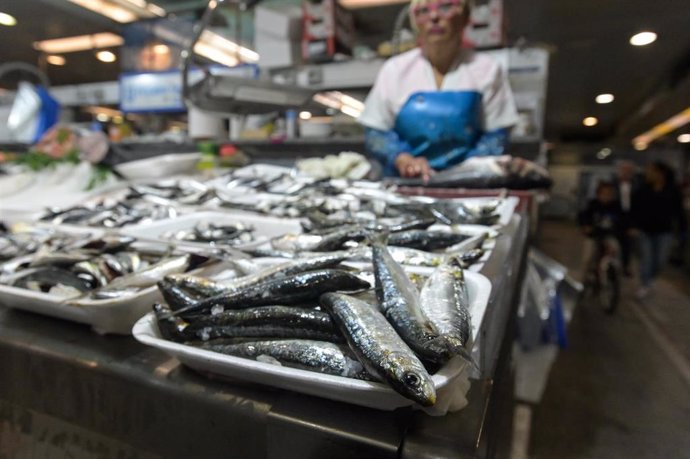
376, 344
266, 321
445, 301
318, 356
157, 271
471, 243
210, 288
171, 328
290, 290
399, 302
43, 279
425, 240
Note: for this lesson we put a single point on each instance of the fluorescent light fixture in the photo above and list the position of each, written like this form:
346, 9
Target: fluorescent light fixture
106, 56
643, 38
590, 121
339, 101
79, 43
122, 11
98, 110
54, 59
640, 146
211, 40
7, 20
684, 138
353, 4
605, 98
660, 130
304, 115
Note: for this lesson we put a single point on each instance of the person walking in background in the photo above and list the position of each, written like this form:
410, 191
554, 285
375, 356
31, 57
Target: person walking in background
657, 209
626, 184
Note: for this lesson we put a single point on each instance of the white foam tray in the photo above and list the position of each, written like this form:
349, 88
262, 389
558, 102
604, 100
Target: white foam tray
450, 381
265, 227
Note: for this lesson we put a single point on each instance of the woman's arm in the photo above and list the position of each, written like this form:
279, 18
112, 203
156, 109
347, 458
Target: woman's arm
385, 146
491, 143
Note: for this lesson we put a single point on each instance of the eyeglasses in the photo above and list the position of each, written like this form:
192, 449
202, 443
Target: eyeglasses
443, 8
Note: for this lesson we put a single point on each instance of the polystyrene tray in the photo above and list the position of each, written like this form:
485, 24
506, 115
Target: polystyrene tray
265, 227
450, 381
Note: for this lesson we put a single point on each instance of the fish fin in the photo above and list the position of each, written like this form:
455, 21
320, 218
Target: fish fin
456, 347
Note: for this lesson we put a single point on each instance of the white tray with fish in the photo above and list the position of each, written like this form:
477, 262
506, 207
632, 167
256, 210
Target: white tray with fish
113, 315
450, 381
181, 230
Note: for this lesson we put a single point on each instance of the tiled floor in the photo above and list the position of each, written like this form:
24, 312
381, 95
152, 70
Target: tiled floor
622, 388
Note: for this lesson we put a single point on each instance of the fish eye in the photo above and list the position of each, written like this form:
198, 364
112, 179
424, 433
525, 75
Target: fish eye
411, 379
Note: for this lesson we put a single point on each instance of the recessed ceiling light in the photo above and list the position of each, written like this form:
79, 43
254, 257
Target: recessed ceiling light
304, 115
643, 38
7, 20
103, 118
106, 56
640, 146
54, 59
161, 49
590, 121
684, 138
605, 98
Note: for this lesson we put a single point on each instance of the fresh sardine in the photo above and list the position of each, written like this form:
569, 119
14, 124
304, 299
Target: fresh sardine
399, 302
319, 356
425, 240
376, 344
445, 301
290, 290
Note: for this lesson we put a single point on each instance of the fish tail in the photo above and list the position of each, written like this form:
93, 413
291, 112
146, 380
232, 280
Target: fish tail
457, 347
377, 237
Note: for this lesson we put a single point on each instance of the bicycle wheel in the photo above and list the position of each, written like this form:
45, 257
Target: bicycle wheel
609, 290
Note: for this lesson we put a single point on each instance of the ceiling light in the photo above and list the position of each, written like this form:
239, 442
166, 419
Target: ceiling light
304, 115
339, 101
102, 117
7, 20
54, 59
660, 130
79, 43
590, 121
643, 38
640, 146
122, 11
106, 56
161, 49
605, 98
684, 138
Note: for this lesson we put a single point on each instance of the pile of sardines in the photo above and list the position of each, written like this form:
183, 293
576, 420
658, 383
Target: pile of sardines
315, 313
74, 269
332, 202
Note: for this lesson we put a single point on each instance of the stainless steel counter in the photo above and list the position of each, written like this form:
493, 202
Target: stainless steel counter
67, 391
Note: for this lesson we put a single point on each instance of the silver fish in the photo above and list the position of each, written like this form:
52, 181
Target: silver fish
289, 290
445, 301
319, 356
376, 344
209, 288
154, 273
399, 302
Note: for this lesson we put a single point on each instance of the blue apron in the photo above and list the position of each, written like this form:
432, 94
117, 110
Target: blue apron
442, 126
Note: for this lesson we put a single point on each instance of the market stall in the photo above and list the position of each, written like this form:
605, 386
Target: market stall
116, 393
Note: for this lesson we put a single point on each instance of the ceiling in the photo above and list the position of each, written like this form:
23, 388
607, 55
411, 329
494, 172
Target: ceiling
588, 39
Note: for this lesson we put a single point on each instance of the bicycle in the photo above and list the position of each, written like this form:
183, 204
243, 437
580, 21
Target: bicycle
603, 278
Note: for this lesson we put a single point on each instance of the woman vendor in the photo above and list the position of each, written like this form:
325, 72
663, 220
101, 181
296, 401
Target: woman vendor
440, 103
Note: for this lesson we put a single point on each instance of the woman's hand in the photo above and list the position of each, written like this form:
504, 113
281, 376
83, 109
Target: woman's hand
409, 166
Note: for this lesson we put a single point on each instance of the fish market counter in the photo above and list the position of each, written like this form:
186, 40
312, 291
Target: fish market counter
66, 391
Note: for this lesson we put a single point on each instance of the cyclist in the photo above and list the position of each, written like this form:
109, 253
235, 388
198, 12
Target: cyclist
602, 222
